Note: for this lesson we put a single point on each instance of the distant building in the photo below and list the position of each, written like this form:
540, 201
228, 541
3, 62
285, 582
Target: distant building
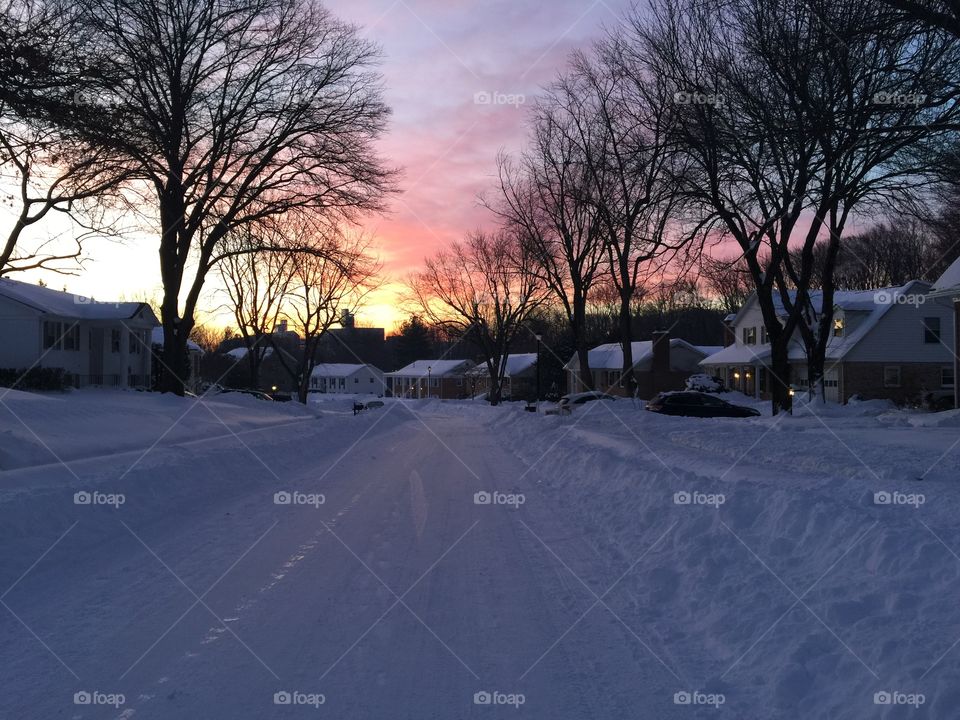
430, 378
659, 365
95, 343
892, 343
347, 378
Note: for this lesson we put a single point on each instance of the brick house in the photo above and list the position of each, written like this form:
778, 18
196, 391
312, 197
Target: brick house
659, 365
894, 343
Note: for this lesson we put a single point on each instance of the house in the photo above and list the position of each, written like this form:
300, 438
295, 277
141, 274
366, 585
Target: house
430, 378
194, 356
894, 343
519, 379
948, 288
95, 343
347, 378
659, 365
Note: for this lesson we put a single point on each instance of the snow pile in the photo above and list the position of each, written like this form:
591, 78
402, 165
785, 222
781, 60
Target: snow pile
788, 563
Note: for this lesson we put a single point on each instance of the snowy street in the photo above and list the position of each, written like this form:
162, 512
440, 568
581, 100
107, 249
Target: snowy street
388, 588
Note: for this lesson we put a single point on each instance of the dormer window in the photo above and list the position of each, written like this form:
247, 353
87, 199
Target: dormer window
838, 326
749, 336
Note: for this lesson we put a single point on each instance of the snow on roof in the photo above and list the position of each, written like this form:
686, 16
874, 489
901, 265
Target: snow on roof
156, 338
609, 356
336, 369
68, 305
949, 282
418, 368
874, 304
241, 352
517, 363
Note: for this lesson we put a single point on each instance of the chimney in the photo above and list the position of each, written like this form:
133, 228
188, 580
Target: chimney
282, 327
729, 331
660, 365
347, 320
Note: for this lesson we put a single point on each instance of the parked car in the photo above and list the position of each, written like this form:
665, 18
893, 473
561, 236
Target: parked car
697, 404
584, 397
254, 393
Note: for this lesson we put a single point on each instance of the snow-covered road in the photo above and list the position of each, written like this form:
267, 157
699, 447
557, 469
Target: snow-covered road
397, 597
450, 561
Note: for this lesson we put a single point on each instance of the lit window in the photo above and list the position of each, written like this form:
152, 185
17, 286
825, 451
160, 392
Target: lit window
838, 325
891, 376
749, 336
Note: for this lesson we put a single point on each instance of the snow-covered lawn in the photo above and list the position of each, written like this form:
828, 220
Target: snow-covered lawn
197, 558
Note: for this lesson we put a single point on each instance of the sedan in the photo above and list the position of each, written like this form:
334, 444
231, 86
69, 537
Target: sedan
584, 397
695, 404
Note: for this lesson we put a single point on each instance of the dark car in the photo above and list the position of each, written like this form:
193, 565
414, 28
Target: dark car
695, 404
584, 397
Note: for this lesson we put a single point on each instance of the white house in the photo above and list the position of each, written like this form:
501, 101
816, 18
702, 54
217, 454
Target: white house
430, 378
894, 343
948, 288
96, 343
347, 378
660, 364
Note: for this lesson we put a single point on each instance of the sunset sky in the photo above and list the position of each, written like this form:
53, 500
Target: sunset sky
438, 55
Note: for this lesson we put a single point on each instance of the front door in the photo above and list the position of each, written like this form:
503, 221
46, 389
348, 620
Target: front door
95, 369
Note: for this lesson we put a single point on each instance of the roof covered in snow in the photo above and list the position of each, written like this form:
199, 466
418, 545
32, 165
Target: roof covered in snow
517, 363
869, 305
69, 305
437, 368
339, 369
949, 282
610, 355
241, 352
156, 338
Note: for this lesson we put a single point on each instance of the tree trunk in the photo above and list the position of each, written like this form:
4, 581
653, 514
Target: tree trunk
780, 372
627, 380
176, 367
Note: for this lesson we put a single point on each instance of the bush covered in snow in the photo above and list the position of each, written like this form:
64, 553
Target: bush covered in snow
701, 382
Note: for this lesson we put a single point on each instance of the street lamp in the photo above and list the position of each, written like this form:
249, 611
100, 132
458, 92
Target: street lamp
539, 339
428, 380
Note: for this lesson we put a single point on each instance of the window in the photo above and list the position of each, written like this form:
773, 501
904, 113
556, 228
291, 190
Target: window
71, 338
891, 376
52, 335
749, 336
931, 330
356, 380
459, 382
764, 336
838, 327
434, 382
135, 342
948, 376
114, 341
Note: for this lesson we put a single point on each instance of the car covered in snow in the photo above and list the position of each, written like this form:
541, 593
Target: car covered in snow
698, 404
585, 397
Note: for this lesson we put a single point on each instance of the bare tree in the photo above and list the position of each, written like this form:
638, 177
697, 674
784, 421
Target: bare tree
784, 110
485, 286
546, 198
230, 112
256, 273
334, 275
727, 282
